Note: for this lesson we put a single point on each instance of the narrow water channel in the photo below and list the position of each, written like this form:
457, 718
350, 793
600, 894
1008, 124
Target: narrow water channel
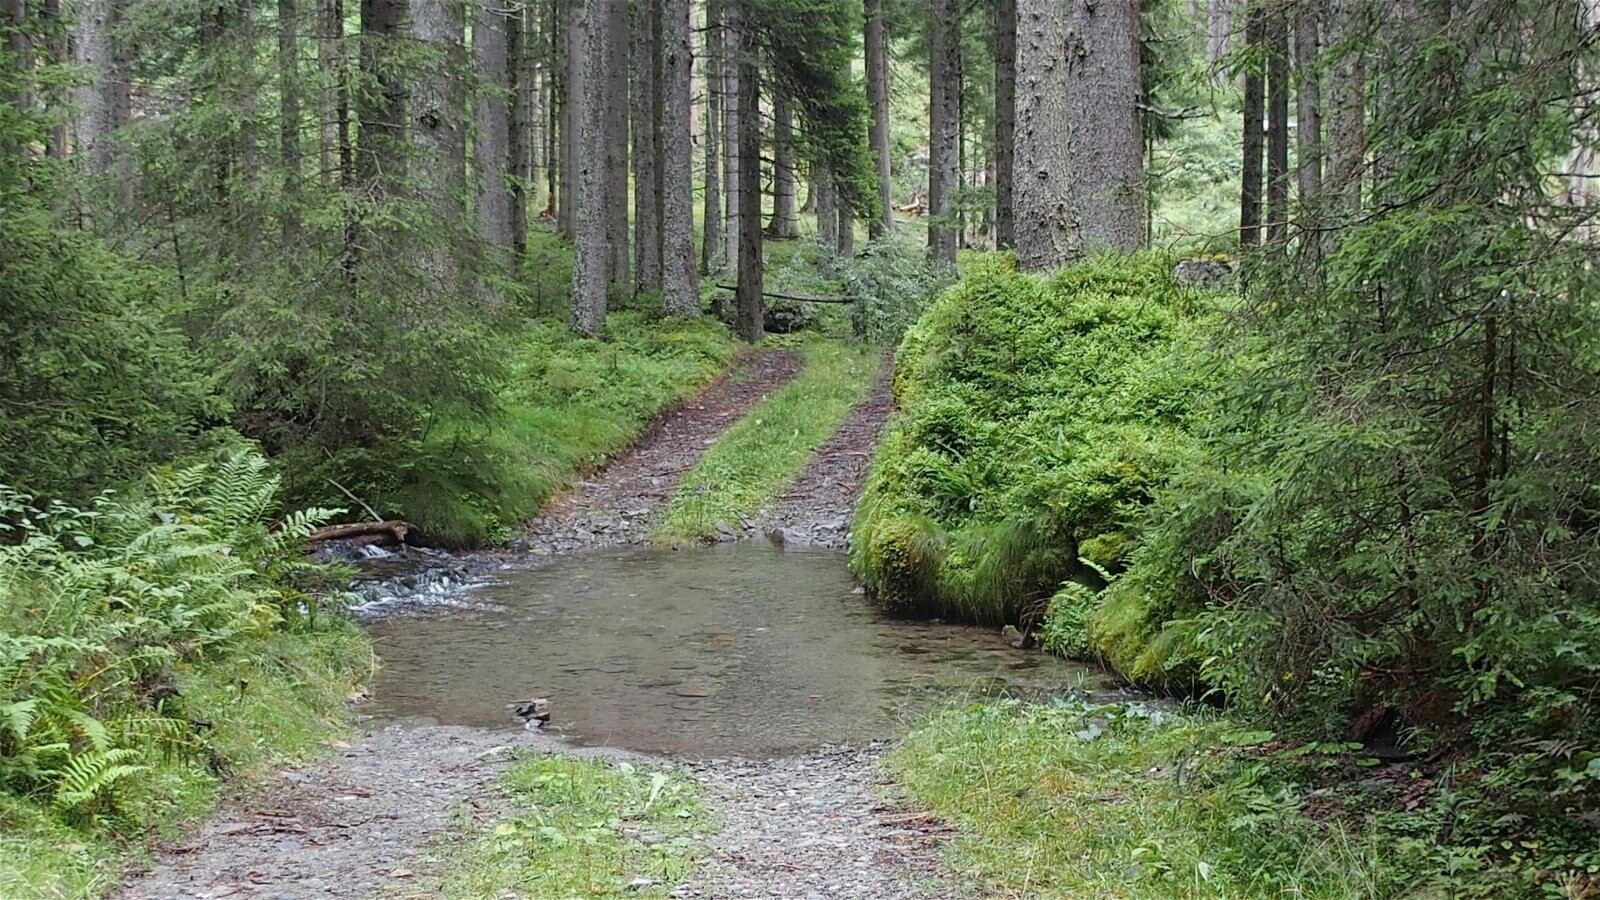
728, 651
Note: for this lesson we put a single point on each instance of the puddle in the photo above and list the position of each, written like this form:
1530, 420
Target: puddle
728, 651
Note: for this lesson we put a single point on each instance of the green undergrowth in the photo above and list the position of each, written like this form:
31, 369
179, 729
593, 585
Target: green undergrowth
568, 403
1129, 801
152, 647
750, 464
1039, 414
581, 829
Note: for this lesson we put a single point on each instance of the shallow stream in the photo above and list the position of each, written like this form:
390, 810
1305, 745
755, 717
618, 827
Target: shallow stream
734, 650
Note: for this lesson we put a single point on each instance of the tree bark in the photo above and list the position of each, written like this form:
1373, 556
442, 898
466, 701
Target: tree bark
1046, 221
680, 289
381, 107
711, 246
591, 252
827, 202
1250, 183
95, 56
732, 30
57, 140
1308, 113
944, 102
289, 118
1346, 143
330, 49
877, 62
574, 102
491, 145
616, 124
647, 121
438, 114
750, 319
519, 75
1005, 122
785, 222
1277, 126
1108, 140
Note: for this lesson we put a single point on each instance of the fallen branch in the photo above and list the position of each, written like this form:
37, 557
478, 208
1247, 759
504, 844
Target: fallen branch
799, 298
386, 532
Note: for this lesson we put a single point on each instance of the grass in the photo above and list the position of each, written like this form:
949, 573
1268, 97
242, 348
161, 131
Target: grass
271, 701
569, 402
581, 829
1127, 801
766, 449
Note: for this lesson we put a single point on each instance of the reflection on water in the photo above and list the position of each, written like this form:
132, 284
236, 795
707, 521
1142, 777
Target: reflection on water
734, 650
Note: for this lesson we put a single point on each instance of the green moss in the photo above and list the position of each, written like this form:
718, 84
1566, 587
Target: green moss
1039, 417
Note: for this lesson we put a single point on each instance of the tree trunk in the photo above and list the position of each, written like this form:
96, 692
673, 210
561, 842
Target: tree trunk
381, 106
616, 124
289, 117
1046, 222
1308, 114
491, 144
56, 44
519, 74
944, 102
574, 103
438, 114
591, 253
827, 202
647, 121
1277, 127
732, 48
330, 49
785, 222
14, 16
1005, 122
95, 57
877, 61
711, 247
1219, 29
1250, 184
1347, 136
750, 320
680, 289
1108, 140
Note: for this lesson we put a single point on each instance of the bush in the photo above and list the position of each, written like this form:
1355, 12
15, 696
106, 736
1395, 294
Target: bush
1039, 417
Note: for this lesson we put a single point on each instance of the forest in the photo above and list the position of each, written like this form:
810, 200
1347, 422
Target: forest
1229, 368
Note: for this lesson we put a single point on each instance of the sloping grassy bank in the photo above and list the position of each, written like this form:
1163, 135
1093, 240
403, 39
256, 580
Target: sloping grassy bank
568, 402
151, 648
1038, 416
767, 448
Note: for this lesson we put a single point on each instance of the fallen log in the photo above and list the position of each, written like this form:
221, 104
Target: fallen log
798, 298
393, 531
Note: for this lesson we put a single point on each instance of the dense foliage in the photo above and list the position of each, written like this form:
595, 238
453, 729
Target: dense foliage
1039, 416
143, 651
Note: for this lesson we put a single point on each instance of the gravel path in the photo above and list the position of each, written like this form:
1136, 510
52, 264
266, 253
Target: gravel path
815, 510
362, 823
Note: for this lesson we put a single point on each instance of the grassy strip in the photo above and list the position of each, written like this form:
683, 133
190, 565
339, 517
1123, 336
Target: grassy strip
569, 402
270, 701
770, 446
582, 828
1128, 802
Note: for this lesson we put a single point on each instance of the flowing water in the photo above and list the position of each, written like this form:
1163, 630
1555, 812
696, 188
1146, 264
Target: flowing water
728, 651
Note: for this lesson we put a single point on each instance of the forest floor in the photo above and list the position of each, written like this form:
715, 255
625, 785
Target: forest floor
370, 819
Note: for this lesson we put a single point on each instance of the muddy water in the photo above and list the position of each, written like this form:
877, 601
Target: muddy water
729, 651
